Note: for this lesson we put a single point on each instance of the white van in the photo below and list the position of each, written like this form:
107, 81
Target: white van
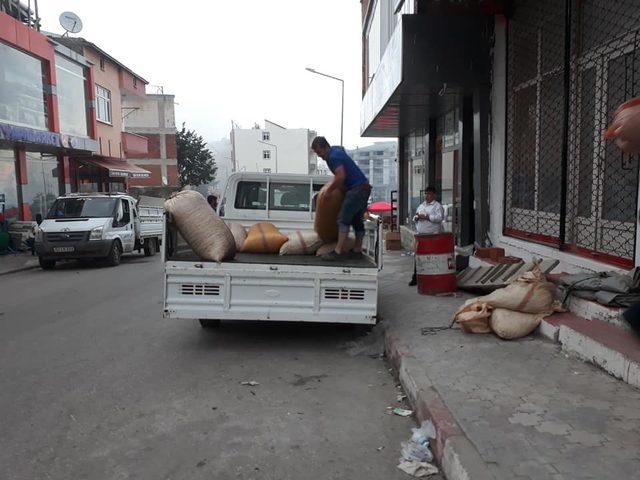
98, 226
272, 287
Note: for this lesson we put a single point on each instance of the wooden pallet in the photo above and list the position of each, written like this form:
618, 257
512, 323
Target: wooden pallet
498, 276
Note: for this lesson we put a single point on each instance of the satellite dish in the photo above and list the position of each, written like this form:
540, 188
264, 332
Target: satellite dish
70, 22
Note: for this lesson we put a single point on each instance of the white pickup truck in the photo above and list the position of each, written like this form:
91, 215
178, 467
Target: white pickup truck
99, 226
272, 287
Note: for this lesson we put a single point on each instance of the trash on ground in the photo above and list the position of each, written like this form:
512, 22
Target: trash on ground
251, 383
380, 448
401, 397
415, 454
417, 469
402, 412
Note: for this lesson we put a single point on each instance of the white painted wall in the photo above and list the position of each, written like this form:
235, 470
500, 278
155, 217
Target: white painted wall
293, 147
149, 112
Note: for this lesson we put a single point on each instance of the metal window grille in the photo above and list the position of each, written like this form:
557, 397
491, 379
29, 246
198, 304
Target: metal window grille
601, 54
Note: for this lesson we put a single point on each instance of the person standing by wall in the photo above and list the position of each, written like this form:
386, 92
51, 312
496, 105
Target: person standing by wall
428, 219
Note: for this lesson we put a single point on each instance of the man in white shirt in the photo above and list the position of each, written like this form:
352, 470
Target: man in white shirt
428, 219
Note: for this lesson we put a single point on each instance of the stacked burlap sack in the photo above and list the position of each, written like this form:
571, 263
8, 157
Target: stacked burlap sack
204, 231
511, 312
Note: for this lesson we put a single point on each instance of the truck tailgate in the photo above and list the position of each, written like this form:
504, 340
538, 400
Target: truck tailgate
263, 291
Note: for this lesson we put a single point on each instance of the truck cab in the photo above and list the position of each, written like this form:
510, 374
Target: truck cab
97, 226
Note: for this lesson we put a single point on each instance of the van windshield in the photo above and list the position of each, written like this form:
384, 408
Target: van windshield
82, 208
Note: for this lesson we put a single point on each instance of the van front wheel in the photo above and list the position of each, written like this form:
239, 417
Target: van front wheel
115, 254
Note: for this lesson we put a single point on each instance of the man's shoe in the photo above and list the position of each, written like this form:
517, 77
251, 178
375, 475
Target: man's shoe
333, 256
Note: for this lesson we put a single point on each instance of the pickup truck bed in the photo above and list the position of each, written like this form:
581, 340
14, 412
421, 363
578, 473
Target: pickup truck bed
273, 259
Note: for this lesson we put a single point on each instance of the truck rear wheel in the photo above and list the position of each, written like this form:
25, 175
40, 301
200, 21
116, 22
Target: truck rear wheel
115, 254
47, 264
209, 323
150, 247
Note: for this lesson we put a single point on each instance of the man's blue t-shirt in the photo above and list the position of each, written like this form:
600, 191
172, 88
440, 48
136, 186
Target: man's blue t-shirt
354, 176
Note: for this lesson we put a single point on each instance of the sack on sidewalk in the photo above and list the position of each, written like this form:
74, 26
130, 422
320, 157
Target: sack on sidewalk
529, 293
204, 231
239, 234
510, 325
327, 210
473, 317
301, 243
263, 237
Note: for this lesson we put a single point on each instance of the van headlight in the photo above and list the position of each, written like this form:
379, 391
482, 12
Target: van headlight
96, 234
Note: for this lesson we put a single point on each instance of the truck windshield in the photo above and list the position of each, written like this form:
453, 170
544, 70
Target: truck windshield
82, 208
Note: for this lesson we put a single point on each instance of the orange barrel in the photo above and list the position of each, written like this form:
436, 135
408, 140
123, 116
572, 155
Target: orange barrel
435, 263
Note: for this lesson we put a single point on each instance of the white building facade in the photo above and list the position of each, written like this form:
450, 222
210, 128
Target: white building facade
379, 164
273, 149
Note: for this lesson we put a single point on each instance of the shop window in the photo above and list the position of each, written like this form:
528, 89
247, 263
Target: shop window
8, 186
103, 104
42, 187
22, 96
71, 94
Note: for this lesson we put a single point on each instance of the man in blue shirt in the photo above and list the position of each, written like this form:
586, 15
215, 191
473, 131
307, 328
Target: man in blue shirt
349, 178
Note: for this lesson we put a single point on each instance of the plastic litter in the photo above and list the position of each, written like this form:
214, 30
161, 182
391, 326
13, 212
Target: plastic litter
401, 397
414, 451
251, 383
422, 435
417, 469
402, 412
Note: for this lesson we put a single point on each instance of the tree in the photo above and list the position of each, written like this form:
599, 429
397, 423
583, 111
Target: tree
196, 164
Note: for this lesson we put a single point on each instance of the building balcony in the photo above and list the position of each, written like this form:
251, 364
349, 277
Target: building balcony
429, 62
27, 14
135, 146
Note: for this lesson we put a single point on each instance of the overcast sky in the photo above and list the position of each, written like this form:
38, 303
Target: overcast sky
240, 60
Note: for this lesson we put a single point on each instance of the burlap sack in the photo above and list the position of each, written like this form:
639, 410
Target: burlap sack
327, 210
473, 317
301, 243
201, 228
239, 234
509, 325
263, 237
330, 247
529, 293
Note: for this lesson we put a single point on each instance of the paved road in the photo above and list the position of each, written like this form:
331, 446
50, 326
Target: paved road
97, 385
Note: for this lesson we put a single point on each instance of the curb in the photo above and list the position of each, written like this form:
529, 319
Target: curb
452, 449
18, 269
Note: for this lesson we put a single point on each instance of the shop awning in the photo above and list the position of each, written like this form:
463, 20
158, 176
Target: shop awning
119, 168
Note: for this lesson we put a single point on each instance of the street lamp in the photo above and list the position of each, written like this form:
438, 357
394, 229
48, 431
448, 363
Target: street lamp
274, 146
342, 102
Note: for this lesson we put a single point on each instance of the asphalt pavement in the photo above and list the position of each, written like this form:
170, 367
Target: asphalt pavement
97, 385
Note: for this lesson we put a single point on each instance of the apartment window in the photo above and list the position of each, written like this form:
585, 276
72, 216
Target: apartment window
103, 104
373, 41
135, 82
102, 63
266, 170
72, 105
266, 136
266, 154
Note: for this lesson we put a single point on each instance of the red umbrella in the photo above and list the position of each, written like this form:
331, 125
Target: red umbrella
380, 207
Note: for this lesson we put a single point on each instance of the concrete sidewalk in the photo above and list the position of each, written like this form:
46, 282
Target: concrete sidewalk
16, 262
505, 410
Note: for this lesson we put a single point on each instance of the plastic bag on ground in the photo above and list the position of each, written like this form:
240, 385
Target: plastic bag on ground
529, 293
301, 243
473, 317
204, 231
424, 433
417, 469
510, 325
414, 451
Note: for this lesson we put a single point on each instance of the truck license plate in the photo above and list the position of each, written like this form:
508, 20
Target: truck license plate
63, 249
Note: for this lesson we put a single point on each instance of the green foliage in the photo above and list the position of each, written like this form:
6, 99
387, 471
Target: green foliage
196, 165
